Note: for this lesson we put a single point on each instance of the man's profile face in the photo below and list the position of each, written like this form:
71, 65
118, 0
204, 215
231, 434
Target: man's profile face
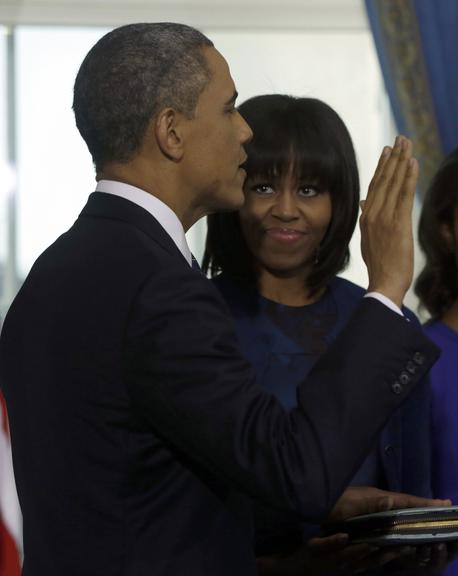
215, 138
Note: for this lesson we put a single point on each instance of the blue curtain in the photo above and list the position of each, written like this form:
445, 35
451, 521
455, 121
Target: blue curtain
417, 46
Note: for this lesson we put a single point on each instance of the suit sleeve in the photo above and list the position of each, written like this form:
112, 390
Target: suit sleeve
187, 377
416, 433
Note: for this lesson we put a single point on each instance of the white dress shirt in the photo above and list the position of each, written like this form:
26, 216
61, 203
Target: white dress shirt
161, 212
172, 225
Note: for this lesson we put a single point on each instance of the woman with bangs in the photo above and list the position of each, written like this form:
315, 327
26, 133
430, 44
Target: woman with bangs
276, 261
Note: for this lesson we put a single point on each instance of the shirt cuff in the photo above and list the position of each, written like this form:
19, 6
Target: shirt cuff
384, 300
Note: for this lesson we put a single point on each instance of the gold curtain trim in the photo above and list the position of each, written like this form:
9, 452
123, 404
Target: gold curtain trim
403, 49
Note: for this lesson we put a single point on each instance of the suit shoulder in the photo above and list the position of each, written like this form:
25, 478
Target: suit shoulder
408, 313
346, 292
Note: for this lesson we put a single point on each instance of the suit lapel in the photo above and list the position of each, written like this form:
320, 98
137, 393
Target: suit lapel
103, 205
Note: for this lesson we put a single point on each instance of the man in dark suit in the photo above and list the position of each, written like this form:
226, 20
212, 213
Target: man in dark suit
139, 434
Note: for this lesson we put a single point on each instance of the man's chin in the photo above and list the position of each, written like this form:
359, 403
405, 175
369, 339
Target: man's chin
230, 202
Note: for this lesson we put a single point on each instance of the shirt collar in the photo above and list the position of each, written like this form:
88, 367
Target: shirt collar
160, 211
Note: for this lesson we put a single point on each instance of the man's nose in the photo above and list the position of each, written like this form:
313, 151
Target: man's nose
246, 133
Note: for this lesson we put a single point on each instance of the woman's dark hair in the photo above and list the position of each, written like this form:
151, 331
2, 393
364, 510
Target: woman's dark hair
309, 135
437, 284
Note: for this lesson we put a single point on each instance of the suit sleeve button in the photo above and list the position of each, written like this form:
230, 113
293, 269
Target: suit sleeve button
396, 387
411, 367
388, 449
419, 358
404, 378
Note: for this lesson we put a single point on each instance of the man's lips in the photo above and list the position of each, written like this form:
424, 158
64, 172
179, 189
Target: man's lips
285, 234
241, 167
242, 171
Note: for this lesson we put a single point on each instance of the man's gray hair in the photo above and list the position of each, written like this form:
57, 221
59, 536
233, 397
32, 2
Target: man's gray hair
131, 74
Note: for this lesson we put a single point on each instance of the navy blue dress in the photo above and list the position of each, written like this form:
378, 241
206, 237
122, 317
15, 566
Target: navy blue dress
284, 342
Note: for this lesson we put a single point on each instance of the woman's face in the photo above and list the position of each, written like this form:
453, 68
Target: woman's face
283, 222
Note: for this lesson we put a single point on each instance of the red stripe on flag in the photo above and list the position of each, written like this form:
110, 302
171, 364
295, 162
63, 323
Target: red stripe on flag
4, 416
9, 557
10, 564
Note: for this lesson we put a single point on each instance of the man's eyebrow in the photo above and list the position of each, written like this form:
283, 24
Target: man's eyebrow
232, 99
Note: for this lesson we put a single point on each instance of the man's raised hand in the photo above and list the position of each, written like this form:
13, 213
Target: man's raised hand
386, 222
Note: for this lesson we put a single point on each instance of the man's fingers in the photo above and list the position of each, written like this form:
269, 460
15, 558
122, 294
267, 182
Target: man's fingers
396, 185
380, 188
328, 544
439, 556
408, 501
389, 181
378, 171
386, 223
379, 557
387, 555
394, 500
407, 196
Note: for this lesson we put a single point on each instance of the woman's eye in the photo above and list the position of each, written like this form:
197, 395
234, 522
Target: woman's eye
262, 189
308, 191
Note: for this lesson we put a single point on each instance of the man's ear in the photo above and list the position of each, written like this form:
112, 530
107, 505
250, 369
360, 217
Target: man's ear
168, 131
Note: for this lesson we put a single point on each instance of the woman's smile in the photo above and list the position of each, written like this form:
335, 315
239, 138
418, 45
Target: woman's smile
285, 235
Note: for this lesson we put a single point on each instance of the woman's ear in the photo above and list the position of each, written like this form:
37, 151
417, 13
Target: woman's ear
447, 233
169, 134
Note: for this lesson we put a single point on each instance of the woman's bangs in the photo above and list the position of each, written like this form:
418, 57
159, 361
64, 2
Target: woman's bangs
274, 156
315, 165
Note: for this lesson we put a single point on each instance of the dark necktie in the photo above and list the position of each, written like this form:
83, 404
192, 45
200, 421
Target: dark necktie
195, 264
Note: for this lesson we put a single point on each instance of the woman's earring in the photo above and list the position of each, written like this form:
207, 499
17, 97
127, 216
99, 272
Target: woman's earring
317, 256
